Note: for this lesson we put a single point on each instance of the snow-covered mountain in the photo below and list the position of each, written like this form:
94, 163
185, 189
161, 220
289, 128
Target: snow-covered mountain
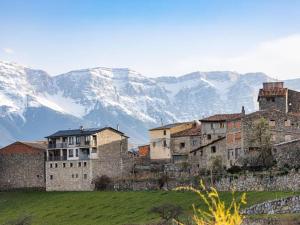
34, 104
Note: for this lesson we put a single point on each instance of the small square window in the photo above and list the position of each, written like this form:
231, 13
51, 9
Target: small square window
84, 164
55, 165
165, 143
51, 177
50, 165
182, 145
165, 132
71, 164
213, 149
64, 165
72, 175
76, 175
79, 164
208, 136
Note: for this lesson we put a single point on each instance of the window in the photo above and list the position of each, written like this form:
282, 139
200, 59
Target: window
271, 99
50, 165
165, 132
38, 176
76, 152
213, 149
85, 176
194, 142
77, 140
71, 164
70, 152
79, 164
51, 177
71, 140
287, 123
208, 136
228, 153
76, 175
182, 145
287, 137
272, 123
84, 164
72, 175
55, 165
222, 125
212, 126
237, 153
165, 143
64, 165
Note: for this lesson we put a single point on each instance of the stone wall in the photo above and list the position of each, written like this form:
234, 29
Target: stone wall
22, 170
287, 154
279, 103
293, 101
280, 206
71, 175
260, 182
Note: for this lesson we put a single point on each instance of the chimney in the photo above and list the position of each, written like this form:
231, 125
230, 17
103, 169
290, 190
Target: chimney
243, 110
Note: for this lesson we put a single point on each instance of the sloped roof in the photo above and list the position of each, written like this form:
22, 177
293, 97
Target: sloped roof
194, 131
21, 147
79, 132
203, 146
222, 117
169, 126
274, 91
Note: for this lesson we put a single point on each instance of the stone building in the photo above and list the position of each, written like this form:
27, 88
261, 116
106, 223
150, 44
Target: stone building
183, 142
274, 95
22, 165
160, 138
213, 145
76, 157
283, 127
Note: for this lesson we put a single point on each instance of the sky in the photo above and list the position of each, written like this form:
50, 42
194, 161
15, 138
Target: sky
153, 37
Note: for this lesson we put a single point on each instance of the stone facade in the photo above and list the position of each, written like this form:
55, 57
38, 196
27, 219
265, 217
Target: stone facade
182, 143
160, 138
274, 95
287, 154
110, 158
22, 165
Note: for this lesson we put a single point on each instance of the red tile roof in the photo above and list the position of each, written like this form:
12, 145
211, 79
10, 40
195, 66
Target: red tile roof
222, 117
194, 131
274, 91
24, 148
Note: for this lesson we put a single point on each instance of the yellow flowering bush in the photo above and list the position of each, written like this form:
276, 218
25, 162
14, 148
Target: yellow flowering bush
217, 212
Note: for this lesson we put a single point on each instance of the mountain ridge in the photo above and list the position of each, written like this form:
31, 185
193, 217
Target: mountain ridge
102, 96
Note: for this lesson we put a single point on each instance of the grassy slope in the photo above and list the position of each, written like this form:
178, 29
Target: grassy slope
90, 208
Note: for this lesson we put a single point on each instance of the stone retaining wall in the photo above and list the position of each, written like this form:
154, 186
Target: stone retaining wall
280, 206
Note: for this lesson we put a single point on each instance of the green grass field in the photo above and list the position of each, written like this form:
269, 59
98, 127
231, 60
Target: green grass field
88, 208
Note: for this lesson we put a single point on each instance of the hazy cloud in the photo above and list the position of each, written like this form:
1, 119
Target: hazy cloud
8, 50
279, 58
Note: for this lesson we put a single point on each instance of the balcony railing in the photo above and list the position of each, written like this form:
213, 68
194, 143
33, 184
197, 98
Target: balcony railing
58, 145
56, 158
